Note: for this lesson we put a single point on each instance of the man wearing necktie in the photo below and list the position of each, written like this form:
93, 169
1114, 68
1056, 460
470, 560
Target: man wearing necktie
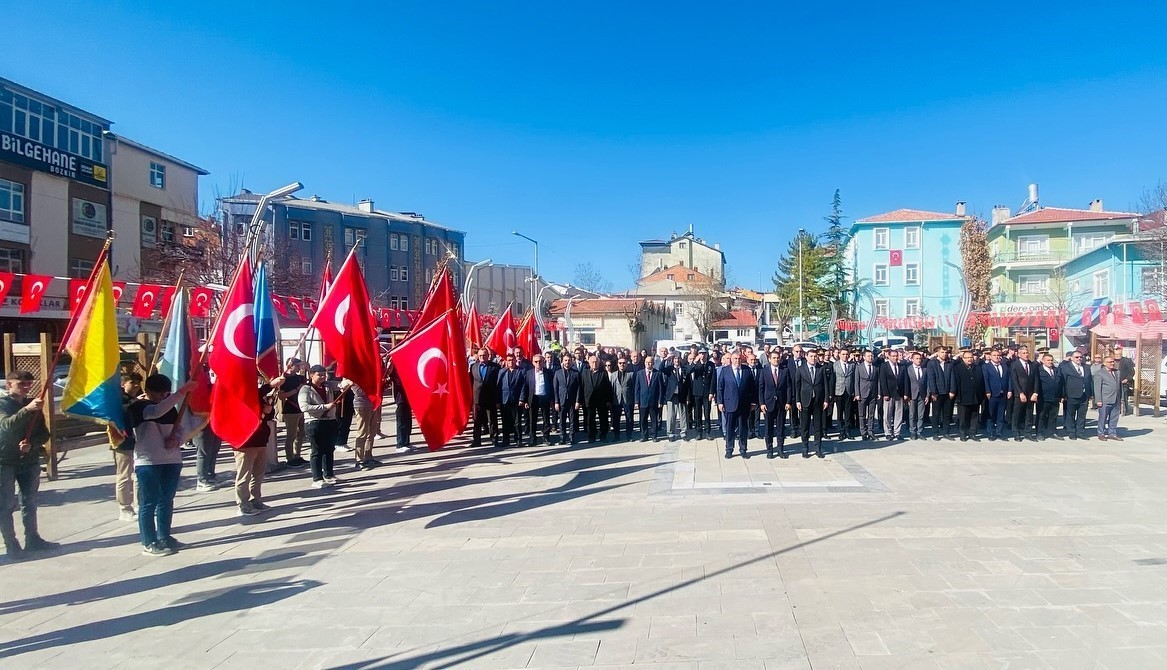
997, 393
811, 397
865, 392
735, 400
1023, 382
484, 389
1108, 396
1077, 386
1050, 391
914, 382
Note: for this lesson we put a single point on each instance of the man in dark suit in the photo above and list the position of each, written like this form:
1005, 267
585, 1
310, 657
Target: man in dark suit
1126, 377
1077, 385
649, 396
774, 401
865, 392
596, 394
998, 394
811, 394
701, 382
539, 392
1050, 393
735, 399
623, 397
892, 391
914, 381
565, 395
967, 383
940, 393
676, 396
512, 395
1023, 384
484, 388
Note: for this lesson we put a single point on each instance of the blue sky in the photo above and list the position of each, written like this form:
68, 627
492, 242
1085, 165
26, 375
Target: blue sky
590, 126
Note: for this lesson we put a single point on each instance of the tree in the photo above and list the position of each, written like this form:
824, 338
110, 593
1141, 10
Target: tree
838, 284
705, 304
977, 266
811, 279
589, 278
1152, 239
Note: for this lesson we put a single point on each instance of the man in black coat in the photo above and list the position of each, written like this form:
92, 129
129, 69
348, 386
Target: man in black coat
484, 388
701, 380
811, 394
1077, 385
566, 399
892, 391
512, 397
1023, 384
736, 394
967, 383
1126, 376
596, 396
1050, 394
941, 394
649, 394
539, 393
774, 389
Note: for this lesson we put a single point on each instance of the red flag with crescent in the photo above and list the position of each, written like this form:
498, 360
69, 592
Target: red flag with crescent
167, 300
144, 302
201, 299
439, 299
431, 366
235, 412
473, 329
896, 258
503, 338
32, 290
76, 293
278, 303
345, 323
119, 287
298, 307
528, 336
5, 284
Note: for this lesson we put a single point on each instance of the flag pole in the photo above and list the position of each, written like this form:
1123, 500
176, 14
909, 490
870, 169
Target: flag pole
165, 326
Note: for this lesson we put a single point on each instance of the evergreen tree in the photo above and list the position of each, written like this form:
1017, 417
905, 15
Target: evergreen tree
834, 243
816, 298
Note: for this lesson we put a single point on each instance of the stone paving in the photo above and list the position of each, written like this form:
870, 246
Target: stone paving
656, 555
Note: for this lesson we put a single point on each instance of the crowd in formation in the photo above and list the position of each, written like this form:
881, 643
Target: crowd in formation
605, 394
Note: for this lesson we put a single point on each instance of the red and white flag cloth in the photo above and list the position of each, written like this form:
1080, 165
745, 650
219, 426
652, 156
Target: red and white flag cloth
502, 339
345, 323
326, 356
235, 412
473, 329
438, 300
5, 284
528, 336
431, 366
201, 301
148, 296
33, 288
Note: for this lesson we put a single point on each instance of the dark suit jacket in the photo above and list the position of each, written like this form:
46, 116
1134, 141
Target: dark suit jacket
771, 393
807, 392
595, 388
889, 381
1077, 387
676, 382
967, 382
1049, 388
548, 381
649, 393
1019, 382
916, 390
485, 390
732, 394
996, 385
512, 387
701, 379
565, 387
940, 377
866, 388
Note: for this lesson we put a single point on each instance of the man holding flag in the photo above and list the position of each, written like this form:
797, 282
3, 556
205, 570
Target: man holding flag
22, 433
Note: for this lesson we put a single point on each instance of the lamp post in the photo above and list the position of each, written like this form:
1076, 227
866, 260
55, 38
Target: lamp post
534, 277
470, 280
801, 317
256, 228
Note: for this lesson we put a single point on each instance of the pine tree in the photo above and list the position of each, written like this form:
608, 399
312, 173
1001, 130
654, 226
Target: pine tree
835, 240
816, 298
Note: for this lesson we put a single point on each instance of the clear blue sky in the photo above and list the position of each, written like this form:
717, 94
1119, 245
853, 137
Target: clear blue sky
590, 126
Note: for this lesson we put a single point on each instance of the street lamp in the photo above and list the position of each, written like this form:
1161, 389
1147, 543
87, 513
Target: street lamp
535, 276
801, 317
254, 230
469, 280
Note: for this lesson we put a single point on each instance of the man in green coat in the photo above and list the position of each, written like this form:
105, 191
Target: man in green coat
22, 434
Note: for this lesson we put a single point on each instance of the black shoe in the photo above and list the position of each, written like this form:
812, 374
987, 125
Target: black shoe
644, 439
745, 454
1018, 439
963, 438
820, 454
770, 453
728, 455
783, 454
935, 438
13, 552
806, 454
37, 543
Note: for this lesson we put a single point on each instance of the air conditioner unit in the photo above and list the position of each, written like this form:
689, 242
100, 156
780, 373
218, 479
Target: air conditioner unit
149, 231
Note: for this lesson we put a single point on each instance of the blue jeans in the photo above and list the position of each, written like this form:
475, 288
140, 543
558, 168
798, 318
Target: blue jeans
1108, 419
28, 479
157, 485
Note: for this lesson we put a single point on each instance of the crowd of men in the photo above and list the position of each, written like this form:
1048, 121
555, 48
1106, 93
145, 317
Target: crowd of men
609, 394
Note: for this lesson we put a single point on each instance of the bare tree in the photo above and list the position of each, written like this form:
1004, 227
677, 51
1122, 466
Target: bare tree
1152, 239
706, 304
591, 279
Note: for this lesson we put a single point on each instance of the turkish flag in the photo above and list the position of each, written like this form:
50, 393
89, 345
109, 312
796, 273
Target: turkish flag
167, 299
144, 302
502, 339
345, 323
385, 316
431, 366
33, 288
235, 413
201, 299
5, 285
119, 287
473, 329
326, 356
897, 258
76, 293
297, 307
527, 336
438, 300
1152, 307
278, 303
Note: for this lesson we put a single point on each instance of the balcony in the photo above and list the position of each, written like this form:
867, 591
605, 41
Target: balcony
1031, 258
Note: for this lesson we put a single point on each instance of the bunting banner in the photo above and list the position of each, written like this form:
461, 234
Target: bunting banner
33, 289
5, 284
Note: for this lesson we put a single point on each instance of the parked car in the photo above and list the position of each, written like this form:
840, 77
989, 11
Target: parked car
892, 342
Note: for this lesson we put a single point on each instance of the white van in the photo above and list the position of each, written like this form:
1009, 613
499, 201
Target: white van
892, 342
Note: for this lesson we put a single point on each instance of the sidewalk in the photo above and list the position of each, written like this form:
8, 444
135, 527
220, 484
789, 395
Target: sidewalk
659, 555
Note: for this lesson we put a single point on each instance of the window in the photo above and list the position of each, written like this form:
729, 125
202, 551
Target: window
911, 307
1102, 283
157, 175
881, 308
880, 276
11, 201
587, 337
404, 274
42, 122
690, 277
187, 231
1032, 245
1032, 284
11, 260
240, 228
1152, 280
682, 245
404, 302
80, 267
393, 274
1089, 242
394, 303
393, 241
670, 276
882, 238
354, 236
167, 231
405, 242
300, 230
911, 274
429, 277
678, 309
305, 266
912, 237
454, 250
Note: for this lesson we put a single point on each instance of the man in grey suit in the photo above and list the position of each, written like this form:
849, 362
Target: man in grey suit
914, 381
1108, 398
865, 391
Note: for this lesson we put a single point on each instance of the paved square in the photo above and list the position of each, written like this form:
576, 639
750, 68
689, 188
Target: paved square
658, 555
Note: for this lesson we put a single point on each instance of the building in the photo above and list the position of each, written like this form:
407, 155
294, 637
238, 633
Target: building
740, 326
632, 323
494, 286
890, 255
687, 250
399, 251
694, 298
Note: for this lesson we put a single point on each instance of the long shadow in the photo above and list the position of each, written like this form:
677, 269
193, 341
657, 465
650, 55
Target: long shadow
595, 621
249, 596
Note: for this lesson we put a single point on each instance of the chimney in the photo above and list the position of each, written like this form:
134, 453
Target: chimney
717, 246
1096, 205
960, 209
1000, 213
365, 205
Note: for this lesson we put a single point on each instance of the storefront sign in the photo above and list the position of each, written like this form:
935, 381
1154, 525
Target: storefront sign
14, 232
89, 218
37, 156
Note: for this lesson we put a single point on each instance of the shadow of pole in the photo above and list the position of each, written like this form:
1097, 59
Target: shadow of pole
478, 649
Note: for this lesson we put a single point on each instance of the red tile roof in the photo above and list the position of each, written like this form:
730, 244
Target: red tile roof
1059, 214
1156, 219
738, 319
908, 216
680, 275
600, 306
